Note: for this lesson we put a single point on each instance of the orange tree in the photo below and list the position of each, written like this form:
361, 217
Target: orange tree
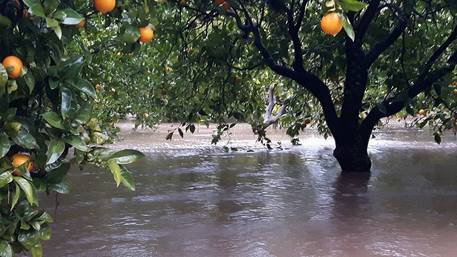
217, 61
396, 56
46, 117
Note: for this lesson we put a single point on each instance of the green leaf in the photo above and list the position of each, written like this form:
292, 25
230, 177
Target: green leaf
85, 87
37, 250
65, 104
348, 27
4, 144
55, 149
52, 23
352, 5
29, 239
5, 21
57, 175
50, 6
29, 81
53, 119
58, 31
127, 179
17, 194
35, 8
28, 189
77, 143
84, 113
3, 76
25, 139
72, 67
5, 249
72, 17
126, 156
116, 171
5, 179
130, 34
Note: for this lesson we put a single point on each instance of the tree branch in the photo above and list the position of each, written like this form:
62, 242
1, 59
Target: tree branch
269, 119
395, 104
380, 47
365, 20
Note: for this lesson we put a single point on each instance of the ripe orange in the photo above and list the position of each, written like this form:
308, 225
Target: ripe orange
422, 112
81, 24
146, 34
105, 6
226, 5
331, 23
15, 64
20, 159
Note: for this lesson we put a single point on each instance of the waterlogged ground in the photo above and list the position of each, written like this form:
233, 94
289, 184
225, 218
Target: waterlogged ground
196, 200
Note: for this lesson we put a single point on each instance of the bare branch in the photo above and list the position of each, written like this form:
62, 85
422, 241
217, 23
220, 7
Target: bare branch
269, 119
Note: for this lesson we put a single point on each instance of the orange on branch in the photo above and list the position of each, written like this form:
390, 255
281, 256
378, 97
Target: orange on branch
19, 159
146, 34
332, 23
14, 66
105, 6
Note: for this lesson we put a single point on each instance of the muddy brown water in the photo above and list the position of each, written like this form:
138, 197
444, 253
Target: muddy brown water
193, 199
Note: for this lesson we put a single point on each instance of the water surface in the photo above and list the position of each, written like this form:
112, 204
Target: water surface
196, 200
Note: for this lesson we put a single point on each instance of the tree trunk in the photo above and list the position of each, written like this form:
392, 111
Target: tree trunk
352, 155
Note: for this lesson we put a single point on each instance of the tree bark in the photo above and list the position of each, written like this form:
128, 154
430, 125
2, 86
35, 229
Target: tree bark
352, 155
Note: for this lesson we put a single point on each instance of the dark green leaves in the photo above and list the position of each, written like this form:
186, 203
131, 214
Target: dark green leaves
348, 27
126, 156
5, 179
28, 189
53, 119
5, 249
130, 34
55, 149
65, 104
352, 5
4, 144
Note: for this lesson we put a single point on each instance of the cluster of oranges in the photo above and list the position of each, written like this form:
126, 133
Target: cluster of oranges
14, 65
106, 6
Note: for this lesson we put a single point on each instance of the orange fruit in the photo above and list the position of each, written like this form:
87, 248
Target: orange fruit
105, 6
223, 3
331, 23
81, 24
422, 112
20, 159
226, 5
146, 34
15, 64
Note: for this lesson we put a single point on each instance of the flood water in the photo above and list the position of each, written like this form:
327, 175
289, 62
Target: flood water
196, 200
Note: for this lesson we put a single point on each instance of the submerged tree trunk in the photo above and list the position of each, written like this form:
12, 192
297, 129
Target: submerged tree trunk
352, 157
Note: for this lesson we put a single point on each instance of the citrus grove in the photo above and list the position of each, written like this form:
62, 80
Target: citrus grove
71, 69
47, 121
344, 67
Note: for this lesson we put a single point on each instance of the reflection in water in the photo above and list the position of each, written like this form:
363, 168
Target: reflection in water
284, 203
